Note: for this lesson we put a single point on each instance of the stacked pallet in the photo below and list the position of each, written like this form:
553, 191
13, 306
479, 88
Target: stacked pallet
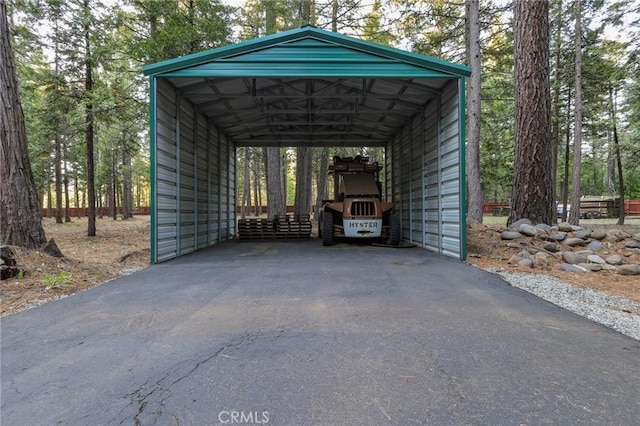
255, 229
292, 226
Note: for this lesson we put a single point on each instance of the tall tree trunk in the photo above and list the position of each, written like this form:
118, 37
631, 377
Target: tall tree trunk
57, 159
555, 132
574, 214
76, 185
275, 197
285, 176
256, 188
272, 159
65, 180
246, 187
322, 178
532, 192
127, 187
49, 201
114, 188
20, 214
302, 201
474, 185
567, 144
88, 135
618, 157
67, 212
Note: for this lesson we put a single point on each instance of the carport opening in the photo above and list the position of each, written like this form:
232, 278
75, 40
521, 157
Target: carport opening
305, 87
249, 204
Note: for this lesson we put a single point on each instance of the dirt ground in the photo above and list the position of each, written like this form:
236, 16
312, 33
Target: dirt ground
119, 247
487, 250
123, 246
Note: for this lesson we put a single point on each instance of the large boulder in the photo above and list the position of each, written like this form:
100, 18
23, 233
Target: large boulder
630, 269
573, 258
510, 235
574, 242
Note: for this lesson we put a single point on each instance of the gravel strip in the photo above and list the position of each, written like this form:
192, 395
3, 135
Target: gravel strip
600, 307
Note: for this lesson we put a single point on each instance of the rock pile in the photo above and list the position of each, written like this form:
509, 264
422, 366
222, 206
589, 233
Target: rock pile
581, 250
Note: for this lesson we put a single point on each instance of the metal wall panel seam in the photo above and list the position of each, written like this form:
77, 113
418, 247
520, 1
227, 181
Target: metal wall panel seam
153, 176
423, 171
463, 168
195, 177
438, 174
232, 220
410, 181
178, 179
400, 186
219, 184
208, 183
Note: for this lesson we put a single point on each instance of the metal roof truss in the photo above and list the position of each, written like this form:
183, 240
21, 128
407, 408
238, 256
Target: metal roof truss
267, 111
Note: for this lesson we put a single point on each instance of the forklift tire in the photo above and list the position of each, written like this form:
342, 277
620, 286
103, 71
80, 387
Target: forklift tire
327, 229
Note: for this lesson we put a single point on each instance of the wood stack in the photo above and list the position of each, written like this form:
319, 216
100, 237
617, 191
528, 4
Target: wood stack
255, 229
292, 226
282, 227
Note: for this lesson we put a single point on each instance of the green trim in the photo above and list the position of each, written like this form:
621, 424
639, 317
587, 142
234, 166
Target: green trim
152, 171
463, 169
307, 32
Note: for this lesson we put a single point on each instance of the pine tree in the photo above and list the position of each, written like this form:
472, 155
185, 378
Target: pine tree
532, 192
20, 220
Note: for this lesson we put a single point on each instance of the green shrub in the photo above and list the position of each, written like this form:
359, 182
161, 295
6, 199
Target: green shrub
56, 280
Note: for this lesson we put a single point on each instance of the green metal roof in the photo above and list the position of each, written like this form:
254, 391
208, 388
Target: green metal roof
307, 86
306, 52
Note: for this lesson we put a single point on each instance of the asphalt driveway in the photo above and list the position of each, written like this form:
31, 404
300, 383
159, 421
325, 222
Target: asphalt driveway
298, 334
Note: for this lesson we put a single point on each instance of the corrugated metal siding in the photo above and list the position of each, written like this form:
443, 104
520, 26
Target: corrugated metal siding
431, 179
425, 179
166, 173
186, 229
214, 185
416, 191
195, 182
450, 162
202, 182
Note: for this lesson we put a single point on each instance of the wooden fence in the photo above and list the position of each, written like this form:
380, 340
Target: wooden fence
83, 211
631, 208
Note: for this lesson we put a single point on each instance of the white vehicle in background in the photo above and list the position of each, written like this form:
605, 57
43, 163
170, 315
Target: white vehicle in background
560, 207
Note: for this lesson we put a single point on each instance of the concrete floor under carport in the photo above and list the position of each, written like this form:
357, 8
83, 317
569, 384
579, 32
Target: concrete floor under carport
295, 333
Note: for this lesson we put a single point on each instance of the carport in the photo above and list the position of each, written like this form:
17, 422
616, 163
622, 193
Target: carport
307, 87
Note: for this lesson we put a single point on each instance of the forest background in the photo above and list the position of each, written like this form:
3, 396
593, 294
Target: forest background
74, 53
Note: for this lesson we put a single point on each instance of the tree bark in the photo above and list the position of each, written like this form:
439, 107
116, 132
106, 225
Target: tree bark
57, 158
574, 213
475, 197
567, 144
127, 185
275, 198
246, 189
76, 185
20, 214
49, 201
257, 197
555, 132
532, 191
322, 178
65, 181
88, 135
304, 161
618, 157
